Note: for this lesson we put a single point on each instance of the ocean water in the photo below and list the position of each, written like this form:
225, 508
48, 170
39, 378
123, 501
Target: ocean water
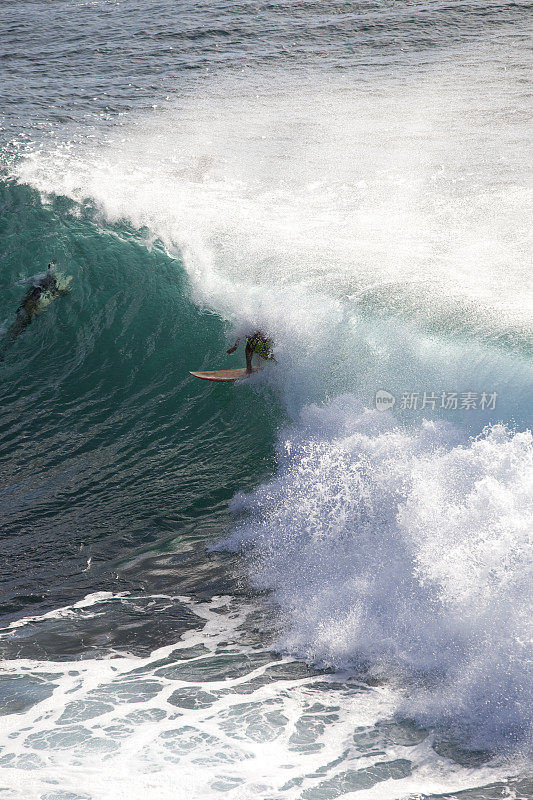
274, 589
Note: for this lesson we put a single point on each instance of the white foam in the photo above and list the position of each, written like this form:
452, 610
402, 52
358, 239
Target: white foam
286, 196
112, 727
405, 552
96, 598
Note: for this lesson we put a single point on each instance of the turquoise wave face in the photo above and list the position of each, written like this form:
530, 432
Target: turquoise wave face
107, 444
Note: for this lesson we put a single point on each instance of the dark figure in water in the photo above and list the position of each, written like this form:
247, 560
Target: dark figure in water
256, 343
45, 289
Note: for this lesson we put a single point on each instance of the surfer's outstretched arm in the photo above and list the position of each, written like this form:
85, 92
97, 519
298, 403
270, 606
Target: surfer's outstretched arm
235, 346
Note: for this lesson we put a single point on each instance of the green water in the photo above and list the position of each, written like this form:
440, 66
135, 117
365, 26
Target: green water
107, 443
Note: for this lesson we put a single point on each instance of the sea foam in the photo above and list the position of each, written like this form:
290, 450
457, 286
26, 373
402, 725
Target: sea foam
405, 553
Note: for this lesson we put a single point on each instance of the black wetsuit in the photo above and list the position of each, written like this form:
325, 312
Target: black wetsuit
29, 307
30, 304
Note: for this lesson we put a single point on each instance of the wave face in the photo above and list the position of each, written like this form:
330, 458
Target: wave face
108, 446
365, 205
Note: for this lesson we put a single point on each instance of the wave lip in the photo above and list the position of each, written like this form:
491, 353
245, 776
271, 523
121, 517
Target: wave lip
406, 553
404, 196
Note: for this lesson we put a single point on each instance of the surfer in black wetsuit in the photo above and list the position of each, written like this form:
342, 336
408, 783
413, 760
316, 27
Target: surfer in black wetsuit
44, 289
256, 343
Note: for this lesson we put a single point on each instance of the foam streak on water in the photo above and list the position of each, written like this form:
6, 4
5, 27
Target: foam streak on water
215, 713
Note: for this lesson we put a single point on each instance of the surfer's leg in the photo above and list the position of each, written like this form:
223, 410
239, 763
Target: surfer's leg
248, 353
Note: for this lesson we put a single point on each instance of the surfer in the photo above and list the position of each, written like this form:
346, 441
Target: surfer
45, 288
256, 343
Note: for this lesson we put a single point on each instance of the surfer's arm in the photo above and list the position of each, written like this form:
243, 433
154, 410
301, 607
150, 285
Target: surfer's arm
235, 346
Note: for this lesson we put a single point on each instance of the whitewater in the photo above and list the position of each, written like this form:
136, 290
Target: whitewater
275, 589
